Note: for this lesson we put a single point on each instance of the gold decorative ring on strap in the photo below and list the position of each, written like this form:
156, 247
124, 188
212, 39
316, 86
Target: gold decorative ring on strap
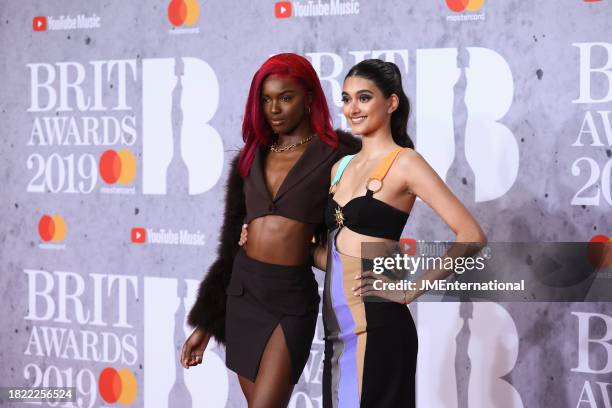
381, 170
377, 186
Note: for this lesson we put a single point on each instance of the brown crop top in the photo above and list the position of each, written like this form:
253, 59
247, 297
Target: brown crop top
303, 194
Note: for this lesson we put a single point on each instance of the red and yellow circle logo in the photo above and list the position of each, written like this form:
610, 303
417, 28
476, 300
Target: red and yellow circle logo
600, 251
52, 228
465, 5
183, 12
118, 167
117, 386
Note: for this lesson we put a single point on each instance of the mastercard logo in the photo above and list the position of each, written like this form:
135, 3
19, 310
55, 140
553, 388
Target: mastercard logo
117, 386
465, 5
600, 251
183, 12
52, 228
117, 167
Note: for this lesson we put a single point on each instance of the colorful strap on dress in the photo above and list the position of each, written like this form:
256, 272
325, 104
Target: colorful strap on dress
381, 171
341, 167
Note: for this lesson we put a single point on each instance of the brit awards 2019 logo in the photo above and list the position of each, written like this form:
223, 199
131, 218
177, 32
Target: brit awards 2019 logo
79, 324
595, 130
181, 152
594, 358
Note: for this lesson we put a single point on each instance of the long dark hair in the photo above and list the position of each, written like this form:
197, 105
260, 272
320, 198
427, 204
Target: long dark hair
386, 76
256, 131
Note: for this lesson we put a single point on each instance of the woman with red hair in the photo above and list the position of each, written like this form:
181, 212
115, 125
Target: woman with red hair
262, 300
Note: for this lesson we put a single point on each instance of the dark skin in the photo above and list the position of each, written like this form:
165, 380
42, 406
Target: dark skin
273, 239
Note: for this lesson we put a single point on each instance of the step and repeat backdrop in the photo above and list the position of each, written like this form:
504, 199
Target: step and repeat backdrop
119, 120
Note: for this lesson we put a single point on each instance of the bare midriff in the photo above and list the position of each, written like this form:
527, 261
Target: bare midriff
349, 242
273, 238
279, 240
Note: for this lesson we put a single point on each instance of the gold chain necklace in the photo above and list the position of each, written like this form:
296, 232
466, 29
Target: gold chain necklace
277, 149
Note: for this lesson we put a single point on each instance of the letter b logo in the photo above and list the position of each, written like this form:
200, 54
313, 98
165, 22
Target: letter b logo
191, 98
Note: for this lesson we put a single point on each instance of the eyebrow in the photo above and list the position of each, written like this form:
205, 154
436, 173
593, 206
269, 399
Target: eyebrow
361, 91
283, 92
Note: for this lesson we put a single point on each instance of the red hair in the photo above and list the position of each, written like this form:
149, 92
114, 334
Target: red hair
255, 129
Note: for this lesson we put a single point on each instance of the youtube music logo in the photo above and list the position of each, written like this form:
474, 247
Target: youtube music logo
322, 8
139, 235
408, 246
282, 9
39, 23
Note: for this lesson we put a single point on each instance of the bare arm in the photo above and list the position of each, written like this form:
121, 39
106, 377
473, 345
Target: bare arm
423, 181
320, 251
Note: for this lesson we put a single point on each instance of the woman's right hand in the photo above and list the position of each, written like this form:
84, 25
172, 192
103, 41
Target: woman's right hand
243, 235
319, 254
194, 347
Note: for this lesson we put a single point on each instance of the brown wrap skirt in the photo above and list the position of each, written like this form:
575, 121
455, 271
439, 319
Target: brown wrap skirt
261, 296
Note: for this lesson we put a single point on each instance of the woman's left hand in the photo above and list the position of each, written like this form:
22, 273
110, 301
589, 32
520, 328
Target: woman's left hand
366, 285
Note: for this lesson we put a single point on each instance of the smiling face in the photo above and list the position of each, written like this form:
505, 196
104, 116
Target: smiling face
284, 104
365, 107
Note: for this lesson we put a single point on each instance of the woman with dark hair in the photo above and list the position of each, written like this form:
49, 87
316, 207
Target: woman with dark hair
371, 347
262, 300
